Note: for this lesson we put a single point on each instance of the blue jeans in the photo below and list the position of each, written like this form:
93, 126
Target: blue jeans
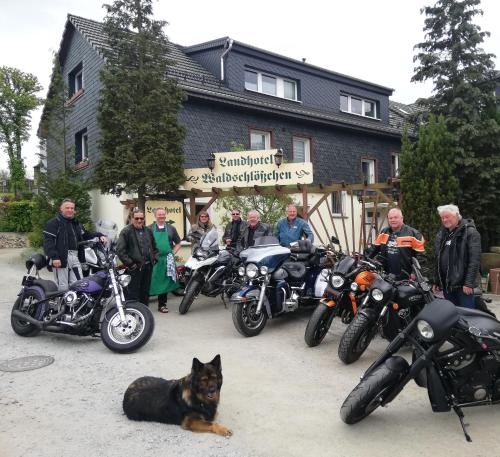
458, 298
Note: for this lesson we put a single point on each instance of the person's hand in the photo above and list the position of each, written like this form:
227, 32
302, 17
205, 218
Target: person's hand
436, 288
103, 239
228, 241
132, 267
467, 290
413, 277
56, 263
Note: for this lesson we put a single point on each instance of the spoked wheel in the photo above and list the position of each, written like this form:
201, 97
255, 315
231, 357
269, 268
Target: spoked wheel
246, 320
369, 394
29, 306
319, 324
136, 333
356, 338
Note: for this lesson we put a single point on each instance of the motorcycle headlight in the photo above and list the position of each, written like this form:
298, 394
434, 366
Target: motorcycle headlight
354, 286
252, 270
241, 271
425, 329
337, 281
377, 294
263, 270
124, 280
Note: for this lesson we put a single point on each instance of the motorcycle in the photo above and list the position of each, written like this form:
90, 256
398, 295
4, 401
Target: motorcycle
91, 306
211, 272
279, 280
94, 259
456, 357
348, 282
389, 307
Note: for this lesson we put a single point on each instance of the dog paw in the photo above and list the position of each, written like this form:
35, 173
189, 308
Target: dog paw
223, 431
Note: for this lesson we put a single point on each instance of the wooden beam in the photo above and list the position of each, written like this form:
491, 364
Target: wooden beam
305, 213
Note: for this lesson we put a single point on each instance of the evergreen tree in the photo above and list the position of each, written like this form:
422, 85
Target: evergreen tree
141, 142
427, 178
464, 87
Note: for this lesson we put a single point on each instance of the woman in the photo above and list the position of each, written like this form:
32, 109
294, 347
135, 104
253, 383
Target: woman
198, 230
168, 243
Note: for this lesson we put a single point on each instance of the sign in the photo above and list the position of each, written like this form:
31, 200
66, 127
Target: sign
248, 169
174, 210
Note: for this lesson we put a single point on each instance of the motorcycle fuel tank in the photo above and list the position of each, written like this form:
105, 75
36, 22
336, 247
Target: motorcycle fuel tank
408, 295
90, 285
270, 256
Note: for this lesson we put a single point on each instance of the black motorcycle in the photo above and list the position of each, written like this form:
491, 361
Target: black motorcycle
387, 308
93, 305
456, 357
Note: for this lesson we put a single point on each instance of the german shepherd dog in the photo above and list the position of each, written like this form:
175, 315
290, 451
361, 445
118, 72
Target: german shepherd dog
190, 402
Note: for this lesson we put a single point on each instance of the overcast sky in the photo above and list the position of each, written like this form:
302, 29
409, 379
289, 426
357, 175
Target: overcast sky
366, 39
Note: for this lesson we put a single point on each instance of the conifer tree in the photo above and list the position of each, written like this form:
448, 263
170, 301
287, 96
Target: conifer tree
141, 142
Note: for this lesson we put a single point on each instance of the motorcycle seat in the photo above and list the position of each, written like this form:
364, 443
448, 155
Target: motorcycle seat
479, 319
302, 247
295, 270
49, 287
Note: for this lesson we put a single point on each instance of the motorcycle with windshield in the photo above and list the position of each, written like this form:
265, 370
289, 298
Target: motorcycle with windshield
279, 280
456, 357
211, 272
94, 305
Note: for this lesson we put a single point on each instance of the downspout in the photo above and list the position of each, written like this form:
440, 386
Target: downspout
227, 46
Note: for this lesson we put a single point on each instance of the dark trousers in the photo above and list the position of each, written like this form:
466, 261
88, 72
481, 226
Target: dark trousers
162, 300
138, 289
458, 298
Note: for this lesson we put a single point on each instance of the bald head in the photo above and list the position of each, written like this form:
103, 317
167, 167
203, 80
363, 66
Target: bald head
395, 219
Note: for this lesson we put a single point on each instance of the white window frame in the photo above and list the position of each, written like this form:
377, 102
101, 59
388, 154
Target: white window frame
280, 85
395, 165
307, 148
371, 175
78, 81
343, 197
363, 101
265, 134
85, 146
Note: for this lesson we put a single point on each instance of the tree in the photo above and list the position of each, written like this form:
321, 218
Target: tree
464, 86
427, 178
138, 107
17, 99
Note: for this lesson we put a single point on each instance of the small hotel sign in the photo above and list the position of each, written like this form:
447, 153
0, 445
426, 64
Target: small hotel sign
248, 169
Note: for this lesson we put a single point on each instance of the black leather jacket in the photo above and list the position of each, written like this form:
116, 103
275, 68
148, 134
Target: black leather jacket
464, 259
260, 230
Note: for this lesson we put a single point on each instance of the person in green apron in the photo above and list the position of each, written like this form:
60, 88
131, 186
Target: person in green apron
168, 242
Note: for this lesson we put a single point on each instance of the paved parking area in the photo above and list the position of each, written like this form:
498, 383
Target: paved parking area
279, 397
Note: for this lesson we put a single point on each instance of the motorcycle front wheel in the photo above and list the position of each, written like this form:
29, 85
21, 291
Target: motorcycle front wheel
29, 306
356, 338
319, 324
191, 292
135, 334
246, 320
369, 394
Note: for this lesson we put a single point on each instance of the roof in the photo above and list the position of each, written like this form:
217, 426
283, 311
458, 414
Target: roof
199, 83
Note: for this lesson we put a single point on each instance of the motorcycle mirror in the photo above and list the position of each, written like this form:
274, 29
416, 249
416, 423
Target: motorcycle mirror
334, 240
415, 262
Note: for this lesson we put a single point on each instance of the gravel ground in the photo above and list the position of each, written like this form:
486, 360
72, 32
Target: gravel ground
279, 397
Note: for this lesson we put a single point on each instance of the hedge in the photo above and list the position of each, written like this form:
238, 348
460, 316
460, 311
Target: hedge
15, 216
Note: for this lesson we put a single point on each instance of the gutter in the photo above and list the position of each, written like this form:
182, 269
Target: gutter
228, 46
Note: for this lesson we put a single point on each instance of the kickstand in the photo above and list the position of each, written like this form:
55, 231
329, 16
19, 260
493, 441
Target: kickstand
460, 415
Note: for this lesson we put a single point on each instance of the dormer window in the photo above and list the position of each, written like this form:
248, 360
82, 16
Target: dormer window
269, 84
357, 105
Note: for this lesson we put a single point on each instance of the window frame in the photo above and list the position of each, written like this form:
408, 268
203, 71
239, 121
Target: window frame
76, 81
280, 84
343, 198
307, 149
267, 139
395, 164
363, 102
373, 162
81, 146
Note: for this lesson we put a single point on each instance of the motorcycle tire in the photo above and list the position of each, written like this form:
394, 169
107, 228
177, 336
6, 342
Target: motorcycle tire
319, 324
19, 326
356, 338
191, 292
369, 394
141, 324
246, 321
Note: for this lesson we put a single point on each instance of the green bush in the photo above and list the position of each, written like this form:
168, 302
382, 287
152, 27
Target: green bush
15, 216
35, 239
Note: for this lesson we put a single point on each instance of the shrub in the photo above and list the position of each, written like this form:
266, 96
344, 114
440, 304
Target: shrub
15, 216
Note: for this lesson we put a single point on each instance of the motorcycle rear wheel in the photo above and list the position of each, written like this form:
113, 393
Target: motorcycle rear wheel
356, 338
191, 292
319, 324
245, 319
369, 394
24, 328
139, 329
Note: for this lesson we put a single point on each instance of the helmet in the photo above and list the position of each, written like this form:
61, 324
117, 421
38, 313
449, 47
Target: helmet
38, 260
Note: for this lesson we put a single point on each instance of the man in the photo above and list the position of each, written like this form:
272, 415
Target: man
292, 228
233, 229
252, 230
168, 243
397, 244
136, 248
458, 255
61, 238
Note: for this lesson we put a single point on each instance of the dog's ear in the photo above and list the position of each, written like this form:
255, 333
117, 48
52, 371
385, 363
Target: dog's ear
216, 362
197, 365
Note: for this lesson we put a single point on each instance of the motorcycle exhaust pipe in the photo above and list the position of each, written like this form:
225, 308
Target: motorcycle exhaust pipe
27, 317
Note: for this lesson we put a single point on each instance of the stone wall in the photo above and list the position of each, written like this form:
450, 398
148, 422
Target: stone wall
13, 240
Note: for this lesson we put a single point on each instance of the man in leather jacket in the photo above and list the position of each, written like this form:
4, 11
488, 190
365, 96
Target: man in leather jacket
233, 229
253, 230
397, 244
458, 257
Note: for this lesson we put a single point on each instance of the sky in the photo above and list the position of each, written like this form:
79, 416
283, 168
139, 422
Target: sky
366, 39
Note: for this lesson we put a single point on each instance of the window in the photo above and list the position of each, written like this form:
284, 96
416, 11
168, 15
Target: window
395, 165
368, 170
301, 149
81, 146
338, 202
75, 80
260, 140
270, 85
358, 105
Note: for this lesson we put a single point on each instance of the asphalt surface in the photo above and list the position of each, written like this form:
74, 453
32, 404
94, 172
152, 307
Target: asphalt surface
279, 397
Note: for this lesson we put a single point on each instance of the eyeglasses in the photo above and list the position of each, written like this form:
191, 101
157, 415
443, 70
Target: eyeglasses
235, 214
138, 218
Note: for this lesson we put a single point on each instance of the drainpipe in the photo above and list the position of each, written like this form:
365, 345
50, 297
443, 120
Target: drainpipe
227, 46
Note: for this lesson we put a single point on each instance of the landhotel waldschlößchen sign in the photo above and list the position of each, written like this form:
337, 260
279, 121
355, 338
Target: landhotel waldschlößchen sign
248, 169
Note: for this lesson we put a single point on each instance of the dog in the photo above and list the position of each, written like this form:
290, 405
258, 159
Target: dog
190, 402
